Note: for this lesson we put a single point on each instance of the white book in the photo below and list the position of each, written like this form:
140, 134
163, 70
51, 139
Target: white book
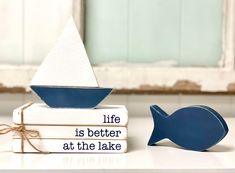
70, 146
77, 132
41, 114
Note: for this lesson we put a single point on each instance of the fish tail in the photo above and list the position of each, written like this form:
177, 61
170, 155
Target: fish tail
159, 118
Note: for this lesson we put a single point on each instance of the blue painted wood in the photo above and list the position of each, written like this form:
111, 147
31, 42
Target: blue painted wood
71, 97
195, 127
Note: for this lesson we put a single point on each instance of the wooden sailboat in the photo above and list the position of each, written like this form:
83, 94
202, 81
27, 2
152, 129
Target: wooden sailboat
65, 78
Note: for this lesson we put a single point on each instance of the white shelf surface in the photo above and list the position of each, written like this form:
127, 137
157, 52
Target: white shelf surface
166, 157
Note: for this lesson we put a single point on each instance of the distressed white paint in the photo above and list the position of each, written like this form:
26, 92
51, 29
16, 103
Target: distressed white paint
228, 58
16, 76
78, 15
210, 79
134, 76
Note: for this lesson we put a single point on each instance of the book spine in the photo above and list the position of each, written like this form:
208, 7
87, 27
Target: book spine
78, 132
101, 118
70, 146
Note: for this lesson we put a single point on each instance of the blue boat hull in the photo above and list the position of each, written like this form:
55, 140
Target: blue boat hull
71, 97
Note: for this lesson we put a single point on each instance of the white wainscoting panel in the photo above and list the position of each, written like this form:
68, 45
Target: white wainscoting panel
11, 31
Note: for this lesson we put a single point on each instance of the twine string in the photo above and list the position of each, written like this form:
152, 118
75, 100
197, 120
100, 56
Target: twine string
25, 134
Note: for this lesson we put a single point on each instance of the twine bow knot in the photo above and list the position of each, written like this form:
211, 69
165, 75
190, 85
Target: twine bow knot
24, 133
19, 129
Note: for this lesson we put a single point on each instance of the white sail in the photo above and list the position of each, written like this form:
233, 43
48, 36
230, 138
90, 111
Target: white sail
67, 64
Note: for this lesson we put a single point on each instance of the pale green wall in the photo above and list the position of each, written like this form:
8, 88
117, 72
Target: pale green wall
186, 31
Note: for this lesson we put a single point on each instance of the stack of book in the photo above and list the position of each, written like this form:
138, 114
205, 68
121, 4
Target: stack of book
100, 130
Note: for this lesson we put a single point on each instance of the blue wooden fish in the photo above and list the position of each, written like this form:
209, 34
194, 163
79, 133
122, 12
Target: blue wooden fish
195, 127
